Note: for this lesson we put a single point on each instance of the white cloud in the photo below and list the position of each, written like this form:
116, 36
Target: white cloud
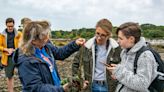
68, 14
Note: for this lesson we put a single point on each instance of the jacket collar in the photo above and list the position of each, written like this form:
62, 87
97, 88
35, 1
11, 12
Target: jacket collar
137, 46
90, 43
5, 33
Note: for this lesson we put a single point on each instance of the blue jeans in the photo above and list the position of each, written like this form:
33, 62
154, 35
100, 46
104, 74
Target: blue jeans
96, 87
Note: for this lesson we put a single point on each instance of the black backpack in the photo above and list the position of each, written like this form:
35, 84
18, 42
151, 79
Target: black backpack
158, 83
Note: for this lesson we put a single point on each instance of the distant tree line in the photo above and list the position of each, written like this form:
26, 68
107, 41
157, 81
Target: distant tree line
152, 31
148, 30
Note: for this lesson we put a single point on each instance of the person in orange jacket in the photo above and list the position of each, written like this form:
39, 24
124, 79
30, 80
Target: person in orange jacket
9, 40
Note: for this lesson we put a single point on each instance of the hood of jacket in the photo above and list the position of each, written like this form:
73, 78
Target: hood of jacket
5, 33
18, 58
136, 47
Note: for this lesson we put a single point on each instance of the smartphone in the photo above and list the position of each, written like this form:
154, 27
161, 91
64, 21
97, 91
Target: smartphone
108, 65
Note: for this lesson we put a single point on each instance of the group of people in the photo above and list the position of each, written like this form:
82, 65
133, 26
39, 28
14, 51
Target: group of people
102, 62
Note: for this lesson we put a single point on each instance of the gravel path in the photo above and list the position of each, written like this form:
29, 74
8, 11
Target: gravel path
63, 67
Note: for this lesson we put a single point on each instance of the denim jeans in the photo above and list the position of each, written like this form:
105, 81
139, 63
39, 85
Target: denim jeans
99, 87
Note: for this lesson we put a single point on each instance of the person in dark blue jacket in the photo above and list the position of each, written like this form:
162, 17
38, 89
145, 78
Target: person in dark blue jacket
36, 61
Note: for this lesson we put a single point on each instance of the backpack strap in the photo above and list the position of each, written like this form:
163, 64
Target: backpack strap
139, 52
144, 48
156, 56
15, 56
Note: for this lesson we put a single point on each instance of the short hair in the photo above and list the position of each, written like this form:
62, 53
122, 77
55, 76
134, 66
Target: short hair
25, 20
105, 24
130, 29
8, 20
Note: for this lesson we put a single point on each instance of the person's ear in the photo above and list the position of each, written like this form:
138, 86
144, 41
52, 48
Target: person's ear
132, 39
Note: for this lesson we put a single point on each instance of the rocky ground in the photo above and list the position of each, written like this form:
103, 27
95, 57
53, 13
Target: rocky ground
63, 67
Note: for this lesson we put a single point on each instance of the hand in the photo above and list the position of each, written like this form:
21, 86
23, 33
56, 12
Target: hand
111, 68
66, 87
9, 50
85, 84
113, 65
80, 41
113, 77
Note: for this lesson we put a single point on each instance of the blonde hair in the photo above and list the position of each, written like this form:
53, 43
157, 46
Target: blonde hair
35, 30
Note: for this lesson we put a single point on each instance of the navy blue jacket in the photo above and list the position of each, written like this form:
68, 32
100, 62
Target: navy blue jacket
34, 75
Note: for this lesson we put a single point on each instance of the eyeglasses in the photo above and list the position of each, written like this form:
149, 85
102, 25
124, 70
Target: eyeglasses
10, 26
103, 36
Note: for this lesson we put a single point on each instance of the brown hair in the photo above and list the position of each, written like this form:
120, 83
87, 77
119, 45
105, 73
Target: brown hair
25, 20
8, 20
105, 24
130, 29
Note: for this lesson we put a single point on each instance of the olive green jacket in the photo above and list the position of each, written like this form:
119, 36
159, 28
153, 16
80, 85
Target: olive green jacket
84, 62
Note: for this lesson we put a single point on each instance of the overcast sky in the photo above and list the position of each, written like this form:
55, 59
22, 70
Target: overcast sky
71, 14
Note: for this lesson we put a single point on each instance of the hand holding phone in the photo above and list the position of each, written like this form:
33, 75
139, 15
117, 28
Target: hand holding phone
108, 65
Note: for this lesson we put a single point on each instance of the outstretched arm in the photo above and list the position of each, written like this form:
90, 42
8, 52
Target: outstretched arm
66, 51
